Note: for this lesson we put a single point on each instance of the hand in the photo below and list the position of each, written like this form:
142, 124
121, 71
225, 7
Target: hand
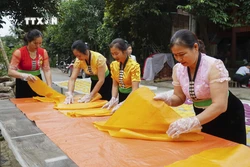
86, 98
164, 97
69, 98
183, 125
112, 102
116, 107
28, 77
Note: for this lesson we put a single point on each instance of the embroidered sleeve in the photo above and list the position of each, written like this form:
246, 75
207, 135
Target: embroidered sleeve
136, 73
174, 76
218, 72
15, 60
101, 61
45, 64
77, 63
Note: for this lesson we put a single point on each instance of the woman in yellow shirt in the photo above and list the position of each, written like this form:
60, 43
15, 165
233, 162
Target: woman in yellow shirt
125, 73
93, 64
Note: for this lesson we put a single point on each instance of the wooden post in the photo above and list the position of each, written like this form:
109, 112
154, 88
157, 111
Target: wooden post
5, 57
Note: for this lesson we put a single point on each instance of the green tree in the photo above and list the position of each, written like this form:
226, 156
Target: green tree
78, 19
226, 14
10, 43
144, 23
19, 9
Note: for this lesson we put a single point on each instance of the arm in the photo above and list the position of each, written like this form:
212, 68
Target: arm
12, 70
46, 69
178, 96
114, 100
48, 78
101, 79
72, 80
135, 85
71, 85
248, 70
114, 89
135, 77
15, 60
218, 80
219, 100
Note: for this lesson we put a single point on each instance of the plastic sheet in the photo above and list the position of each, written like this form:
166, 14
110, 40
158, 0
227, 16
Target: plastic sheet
89, 147
74, 110
228, 157
88, 112
43, 89
141, 117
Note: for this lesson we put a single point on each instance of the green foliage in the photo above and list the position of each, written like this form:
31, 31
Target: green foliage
10, 45
223, 13
143, 23
19, 9
78, 19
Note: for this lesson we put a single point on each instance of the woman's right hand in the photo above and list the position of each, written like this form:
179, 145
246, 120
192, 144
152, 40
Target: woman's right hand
112, 102
28, 77
69, 98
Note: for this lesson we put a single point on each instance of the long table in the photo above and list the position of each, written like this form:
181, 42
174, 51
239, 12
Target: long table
41, 136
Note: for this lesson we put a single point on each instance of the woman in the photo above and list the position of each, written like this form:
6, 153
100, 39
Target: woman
130, 50
125, 73
26, 63
93, 64
242, 75
204, 80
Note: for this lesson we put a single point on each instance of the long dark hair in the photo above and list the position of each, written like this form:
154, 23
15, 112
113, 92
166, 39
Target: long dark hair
80, 46
185, 38
32, 35
119, 43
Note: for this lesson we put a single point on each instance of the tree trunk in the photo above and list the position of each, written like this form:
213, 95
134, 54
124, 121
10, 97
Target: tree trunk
202, 23
5, 57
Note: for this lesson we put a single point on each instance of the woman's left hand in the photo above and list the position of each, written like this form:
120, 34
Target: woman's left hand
183, 125
85, 99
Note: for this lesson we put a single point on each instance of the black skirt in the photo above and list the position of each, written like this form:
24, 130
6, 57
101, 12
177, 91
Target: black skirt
106, 88
23, 89
122, 96
229, 125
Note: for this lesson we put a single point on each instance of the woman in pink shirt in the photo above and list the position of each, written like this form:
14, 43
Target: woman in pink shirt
204, 80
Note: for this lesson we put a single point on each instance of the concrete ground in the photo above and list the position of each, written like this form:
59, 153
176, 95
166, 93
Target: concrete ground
7, 159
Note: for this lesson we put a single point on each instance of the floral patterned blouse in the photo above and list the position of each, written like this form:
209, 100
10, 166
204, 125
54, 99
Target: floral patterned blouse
209, 68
